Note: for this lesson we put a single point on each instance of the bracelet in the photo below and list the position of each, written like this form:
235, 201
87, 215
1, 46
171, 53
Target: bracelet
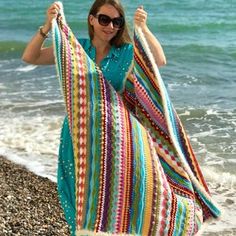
42, 33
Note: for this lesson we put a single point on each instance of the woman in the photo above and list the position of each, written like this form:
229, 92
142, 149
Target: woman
110, 47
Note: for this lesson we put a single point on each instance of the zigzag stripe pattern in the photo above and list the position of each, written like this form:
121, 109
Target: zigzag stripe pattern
136, 173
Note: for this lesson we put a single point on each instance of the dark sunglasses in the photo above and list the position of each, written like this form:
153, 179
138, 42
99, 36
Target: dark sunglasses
104, 20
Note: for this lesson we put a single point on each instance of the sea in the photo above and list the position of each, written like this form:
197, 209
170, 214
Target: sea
199, 40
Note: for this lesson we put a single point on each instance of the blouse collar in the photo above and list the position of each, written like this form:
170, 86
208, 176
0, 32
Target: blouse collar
114, 51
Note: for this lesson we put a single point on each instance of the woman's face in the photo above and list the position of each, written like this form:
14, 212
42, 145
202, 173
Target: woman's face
104, 33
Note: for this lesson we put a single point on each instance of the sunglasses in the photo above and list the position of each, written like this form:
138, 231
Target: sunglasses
104, 20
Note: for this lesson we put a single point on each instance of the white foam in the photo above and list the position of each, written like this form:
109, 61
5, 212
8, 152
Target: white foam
21, 68
31, 133
212, 112
29, 104
184, 113
204, 134
222, 187
32, 141
226, 179
186, 82
31, 162
26, 68
232, 160
2, 86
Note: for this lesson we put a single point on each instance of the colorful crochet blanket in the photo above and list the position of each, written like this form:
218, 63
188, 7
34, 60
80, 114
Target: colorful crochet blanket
136, 173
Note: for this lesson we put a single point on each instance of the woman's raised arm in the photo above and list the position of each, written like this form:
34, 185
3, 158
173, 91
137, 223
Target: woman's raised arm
34, 52
140, 20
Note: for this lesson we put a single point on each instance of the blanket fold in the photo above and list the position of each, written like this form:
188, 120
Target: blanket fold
136, 173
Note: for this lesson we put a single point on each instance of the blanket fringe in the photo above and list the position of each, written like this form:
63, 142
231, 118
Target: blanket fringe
92, 233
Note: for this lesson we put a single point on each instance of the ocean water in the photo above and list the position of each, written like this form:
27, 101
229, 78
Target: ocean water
199, 39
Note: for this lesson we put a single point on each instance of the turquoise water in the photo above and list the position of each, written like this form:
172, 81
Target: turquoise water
199, 39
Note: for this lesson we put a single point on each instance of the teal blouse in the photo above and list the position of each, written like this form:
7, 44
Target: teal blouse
114, 67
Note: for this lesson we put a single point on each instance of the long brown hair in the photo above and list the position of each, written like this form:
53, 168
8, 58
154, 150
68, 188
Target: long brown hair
122, 35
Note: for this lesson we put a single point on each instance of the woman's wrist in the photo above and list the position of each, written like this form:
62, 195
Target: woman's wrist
46, 28
44, 31
41, 32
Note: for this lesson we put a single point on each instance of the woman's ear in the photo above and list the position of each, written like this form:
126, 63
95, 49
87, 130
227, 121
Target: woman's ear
91, 20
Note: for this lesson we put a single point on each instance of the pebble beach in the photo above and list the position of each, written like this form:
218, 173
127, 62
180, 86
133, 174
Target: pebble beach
28, 203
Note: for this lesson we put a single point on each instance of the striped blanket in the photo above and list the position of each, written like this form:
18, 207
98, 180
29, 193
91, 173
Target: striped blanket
136, 173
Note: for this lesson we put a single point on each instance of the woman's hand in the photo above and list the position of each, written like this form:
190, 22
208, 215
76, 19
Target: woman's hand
140, 20
52, 13
140, 17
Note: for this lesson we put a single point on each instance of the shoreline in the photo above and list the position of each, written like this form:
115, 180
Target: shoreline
29, 203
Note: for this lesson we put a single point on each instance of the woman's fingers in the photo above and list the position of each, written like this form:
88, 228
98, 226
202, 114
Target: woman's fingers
55, 6
140, 16
52, 13
141, 12
53, 10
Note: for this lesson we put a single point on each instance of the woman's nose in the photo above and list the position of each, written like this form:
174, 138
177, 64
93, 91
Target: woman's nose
111, 25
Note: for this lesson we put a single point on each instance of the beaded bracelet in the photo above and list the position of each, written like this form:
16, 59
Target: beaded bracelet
42, 33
